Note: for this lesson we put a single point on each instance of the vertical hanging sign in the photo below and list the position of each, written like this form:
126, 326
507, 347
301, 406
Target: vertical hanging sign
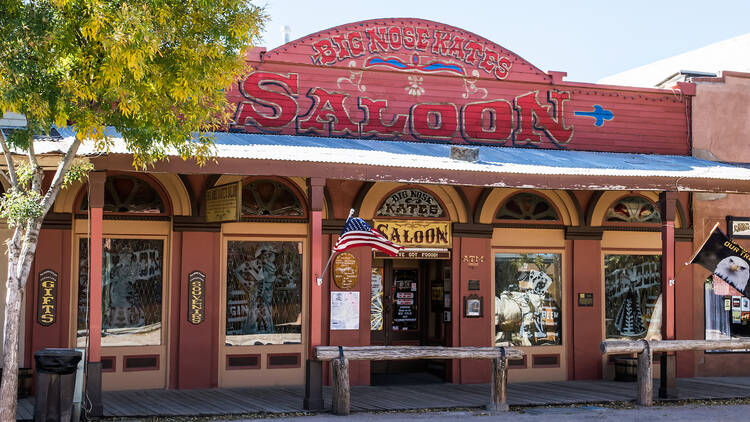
196, 297
47, 303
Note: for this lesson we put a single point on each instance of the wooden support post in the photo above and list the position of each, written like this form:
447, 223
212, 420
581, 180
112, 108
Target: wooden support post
645, 375
94, 367
314, 369
498, 395
340, 396
668, 382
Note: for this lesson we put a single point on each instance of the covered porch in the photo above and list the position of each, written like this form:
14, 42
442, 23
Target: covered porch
285, 400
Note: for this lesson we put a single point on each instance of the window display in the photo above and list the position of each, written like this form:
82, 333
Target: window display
632, 286
264, 293
131, 291
528, 294
727, 312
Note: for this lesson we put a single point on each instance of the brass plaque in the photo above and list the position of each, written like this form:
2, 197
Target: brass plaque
224, 202
345, 271
586, 299
416, 233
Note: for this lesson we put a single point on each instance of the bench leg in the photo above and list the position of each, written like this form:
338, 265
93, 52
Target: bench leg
645, 376
498, 395
340, 401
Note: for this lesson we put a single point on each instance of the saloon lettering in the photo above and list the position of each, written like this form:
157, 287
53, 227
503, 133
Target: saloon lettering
379, 40
272, 105
415, 233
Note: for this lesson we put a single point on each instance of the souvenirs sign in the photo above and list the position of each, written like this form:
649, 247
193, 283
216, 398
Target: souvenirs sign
224, 202
345, 271
416, 233
47, 303
196, 297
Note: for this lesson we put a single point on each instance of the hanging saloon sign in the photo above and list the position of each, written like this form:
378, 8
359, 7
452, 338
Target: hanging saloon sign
416, 233
416, 80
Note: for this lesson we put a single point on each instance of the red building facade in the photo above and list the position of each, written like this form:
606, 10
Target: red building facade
521, 228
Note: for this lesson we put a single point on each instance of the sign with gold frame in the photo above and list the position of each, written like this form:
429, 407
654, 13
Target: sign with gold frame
345, 271
738, 227
224, 202
416, 233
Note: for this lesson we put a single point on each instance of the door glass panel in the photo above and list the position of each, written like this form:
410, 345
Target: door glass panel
405, 300
131, 291
264, 293
528, 294
376, 300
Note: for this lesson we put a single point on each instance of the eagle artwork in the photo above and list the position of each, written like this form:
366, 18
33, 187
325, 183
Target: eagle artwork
734, 270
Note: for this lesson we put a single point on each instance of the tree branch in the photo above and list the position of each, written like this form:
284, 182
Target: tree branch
36, 171
59, 178
9, 161
6, 177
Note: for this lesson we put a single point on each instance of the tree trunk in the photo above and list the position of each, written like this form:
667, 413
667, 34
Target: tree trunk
20, 258
9, 387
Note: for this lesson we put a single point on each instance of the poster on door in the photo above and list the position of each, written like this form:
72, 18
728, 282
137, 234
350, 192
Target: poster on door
405, 300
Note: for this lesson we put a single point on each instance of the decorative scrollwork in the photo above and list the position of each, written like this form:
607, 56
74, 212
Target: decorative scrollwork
633, 209
262, 198
527, 206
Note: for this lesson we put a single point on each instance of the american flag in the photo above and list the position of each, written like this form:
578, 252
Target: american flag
358, 233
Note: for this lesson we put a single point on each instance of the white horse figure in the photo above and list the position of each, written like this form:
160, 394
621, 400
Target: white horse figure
516, 311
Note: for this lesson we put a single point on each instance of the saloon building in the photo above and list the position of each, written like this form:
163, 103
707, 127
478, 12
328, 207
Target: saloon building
534, 211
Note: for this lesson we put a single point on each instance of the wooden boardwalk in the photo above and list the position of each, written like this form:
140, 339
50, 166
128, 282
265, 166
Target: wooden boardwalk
238, 401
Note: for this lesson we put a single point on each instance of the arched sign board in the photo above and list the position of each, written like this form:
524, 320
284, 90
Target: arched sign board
422, 81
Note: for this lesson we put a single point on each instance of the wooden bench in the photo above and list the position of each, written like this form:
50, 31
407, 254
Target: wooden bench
646, 349
340, 357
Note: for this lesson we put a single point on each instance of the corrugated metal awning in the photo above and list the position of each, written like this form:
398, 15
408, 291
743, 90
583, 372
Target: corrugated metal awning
431, 163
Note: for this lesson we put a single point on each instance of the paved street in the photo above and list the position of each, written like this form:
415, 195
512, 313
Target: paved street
685, 413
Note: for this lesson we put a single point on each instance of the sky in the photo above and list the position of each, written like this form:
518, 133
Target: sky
588, 39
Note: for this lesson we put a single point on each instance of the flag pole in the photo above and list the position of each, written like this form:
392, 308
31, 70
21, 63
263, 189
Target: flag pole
697, 251
330, 258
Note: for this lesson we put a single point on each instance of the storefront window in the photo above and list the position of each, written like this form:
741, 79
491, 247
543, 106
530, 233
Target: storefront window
727, 312
528, 294
264, 293
131, 291
632, 286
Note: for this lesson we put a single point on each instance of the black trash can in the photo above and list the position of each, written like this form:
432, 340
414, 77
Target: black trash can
55, 383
